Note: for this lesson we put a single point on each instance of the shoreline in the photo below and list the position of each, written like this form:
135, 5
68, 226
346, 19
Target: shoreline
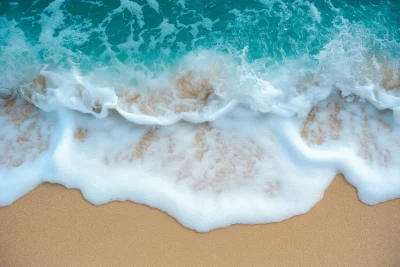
53, 225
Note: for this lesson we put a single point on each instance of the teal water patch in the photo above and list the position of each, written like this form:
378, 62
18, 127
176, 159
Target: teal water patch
92, 33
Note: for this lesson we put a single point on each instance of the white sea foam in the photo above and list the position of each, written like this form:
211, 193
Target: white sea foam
154, 5
315, 12
206, 135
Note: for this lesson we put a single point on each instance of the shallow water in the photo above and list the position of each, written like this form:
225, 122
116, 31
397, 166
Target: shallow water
216, 112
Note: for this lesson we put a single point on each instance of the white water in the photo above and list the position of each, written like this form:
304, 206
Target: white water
209, 142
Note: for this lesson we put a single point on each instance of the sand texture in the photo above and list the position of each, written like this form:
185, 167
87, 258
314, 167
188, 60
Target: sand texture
53, 226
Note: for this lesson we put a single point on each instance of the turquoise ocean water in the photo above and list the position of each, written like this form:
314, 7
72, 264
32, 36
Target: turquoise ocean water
93, 34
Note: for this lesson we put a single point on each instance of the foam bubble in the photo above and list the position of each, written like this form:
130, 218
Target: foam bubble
316, 14
154, 5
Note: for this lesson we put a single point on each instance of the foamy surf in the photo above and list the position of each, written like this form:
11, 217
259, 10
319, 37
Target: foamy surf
212, 133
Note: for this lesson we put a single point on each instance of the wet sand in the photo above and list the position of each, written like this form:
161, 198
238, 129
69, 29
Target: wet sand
53, 226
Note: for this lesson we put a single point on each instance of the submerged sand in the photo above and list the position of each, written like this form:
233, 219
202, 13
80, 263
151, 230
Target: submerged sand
53, 226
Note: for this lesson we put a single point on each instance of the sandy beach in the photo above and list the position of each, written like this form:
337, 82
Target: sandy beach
53, 226
214, 112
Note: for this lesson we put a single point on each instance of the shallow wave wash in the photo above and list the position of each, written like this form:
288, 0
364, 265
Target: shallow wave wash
217, 112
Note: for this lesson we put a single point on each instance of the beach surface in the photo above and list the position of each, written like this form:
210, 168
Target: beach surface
53, 226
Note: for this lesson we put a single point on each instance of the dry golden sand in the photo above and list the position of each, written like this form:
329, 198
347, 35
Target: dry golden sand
53, 226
